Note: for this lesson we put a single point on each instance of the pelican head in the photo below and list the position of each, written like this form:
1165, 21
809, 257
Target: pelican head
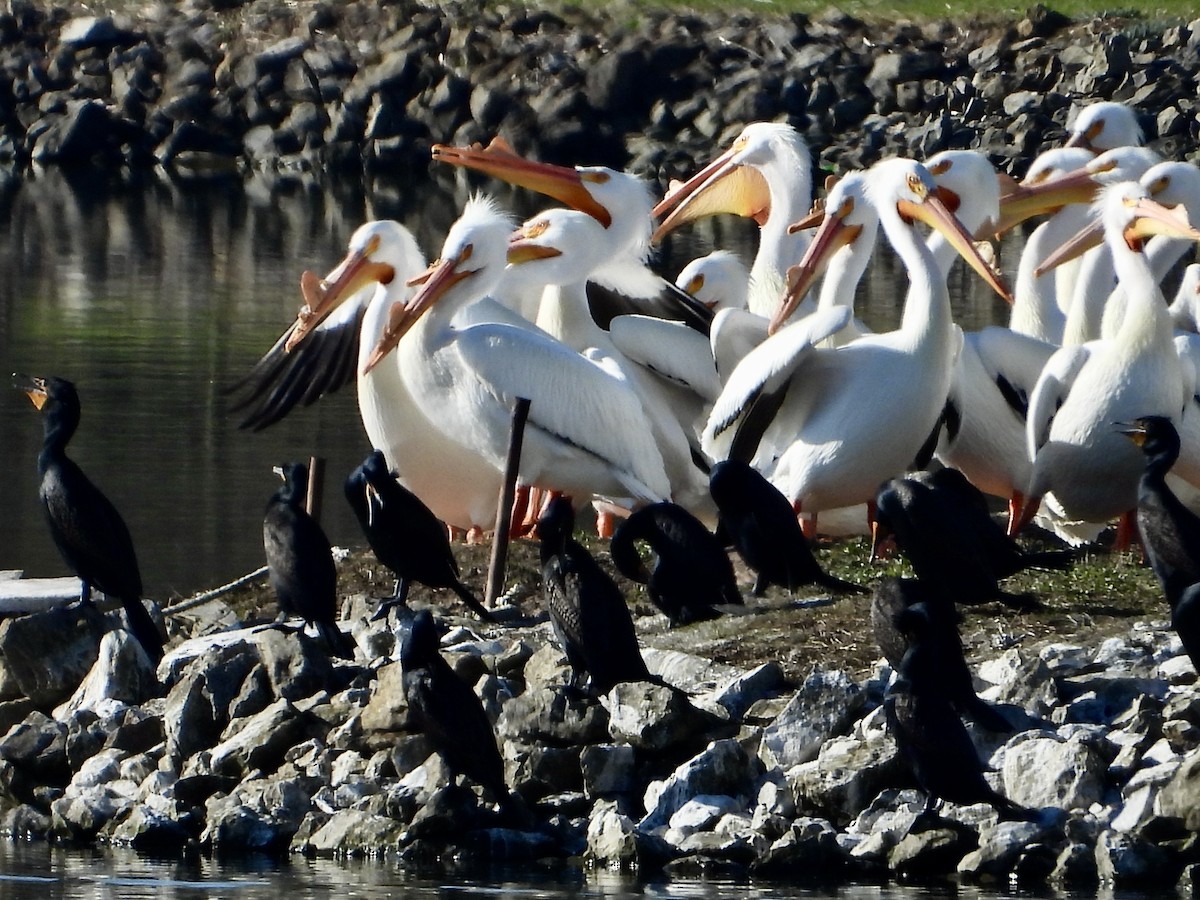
376, 252
1105, 125
718, 280
475, 253
967, 185
558, 246
734, 181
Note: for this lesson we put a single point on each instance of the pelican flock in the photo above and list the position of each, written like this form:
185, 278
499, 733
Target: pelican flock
636, 398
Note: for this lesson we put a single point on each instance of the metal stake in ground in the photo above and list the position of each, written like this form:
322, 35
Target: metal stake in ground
316, 484
508, 491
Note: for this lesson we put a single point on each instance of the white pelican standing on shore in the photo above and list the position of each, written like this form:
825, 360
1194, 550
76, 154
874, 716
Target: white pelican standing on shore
1092, 470
859, 414
766, 175
586, 433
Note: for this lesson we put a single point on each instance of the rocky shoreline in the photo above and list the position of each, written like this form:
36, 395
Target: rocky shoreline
313, 87
253, 740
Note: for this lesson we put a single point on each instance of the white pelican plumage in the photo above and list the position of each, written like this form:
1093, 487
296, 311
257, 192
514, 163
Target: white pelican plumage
1104, 126
459, 486
558, 251
766, 175
1090, 469
860, 413
586, 433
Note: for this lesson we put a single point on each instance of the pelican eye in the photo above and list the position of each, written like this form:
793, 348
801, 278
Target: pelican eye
372, 245
595, 177
941, 167
1106, 166
466, 253
1158, 185
535, 229
1093, 130
917, 186
846, 208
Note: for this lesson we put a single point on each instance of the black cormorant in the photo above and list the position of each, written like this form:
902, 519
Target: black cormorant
448, 711
952, 542
587, 612
762, 526
89, 532
300, 561
691, 572
1170, 531
940, 644
405, 535
928, 731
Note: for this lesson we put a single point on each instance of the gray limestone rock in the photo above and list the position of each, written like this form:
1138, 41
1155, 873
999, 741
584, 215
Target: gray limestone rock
823, 708
48, 654
653, 718
723, 767
1040, 771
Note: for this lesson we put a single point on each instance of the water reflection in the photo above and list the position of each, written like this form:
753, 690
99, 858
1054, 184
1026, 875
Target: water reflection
154, 295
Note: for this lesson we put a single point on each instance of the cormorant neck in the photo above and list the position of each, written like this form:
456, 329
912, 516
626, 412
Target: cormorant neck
60, 424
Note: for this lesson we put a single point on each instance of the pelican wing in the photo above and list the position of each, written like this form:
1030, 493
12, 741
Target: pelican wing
1051, 390
581, 402
1013, 361
735, 332
670, 349
1188, 347
281, 381
767, 367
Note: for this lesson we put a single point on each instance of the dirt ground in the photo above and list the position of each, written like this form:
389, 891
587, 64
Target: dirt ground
1101, 597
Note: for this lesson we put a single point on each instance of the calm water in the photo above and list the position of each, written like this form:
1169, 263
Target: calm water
154, 297
42, 872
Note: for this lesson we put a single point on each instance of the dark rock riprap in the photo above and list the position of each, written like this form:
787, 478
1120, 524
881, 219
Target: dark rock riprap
320, 86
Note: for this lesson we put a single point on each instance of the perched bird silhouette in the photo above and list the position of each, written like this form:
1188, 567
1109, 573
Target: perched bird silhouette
449, 713
928, 731
1170, 531
942, 526
87, 529
405, 535
940, 642
762, 526
300, 561
691, 572
587, 612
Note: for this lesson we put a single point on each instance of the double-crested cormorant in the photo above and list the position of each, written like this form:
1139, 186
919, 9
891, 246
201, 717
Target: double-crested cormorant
764, 530
691, 573
927, 729
448, 712
89, 532
1170, 531
940, 645
953, 544
300, 560
404, 534
587, 612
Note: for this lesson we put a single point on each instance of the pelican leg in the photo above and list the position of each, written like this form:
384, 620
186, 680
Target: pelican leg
523, 501
456, 534
1015, 502
808, 524
1127, 534
475, 535
1025, 514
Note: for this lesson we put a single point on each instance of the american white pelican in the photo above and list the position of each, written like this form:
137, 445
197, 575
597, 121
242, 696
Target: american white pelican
557, 252
586, 433
1094, 278
459, 486
718, 280
766, 174
1105, 125
1077, 455
860, 413
619, 201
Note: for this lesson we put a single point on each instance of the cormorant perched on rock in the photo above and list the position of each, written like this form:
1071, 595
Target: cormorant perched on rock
764, 530
952, 541
940, 643
89, 532
405, 535
449, 713
300, 561
587, 612
691, 573
927, 729
1170, 531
